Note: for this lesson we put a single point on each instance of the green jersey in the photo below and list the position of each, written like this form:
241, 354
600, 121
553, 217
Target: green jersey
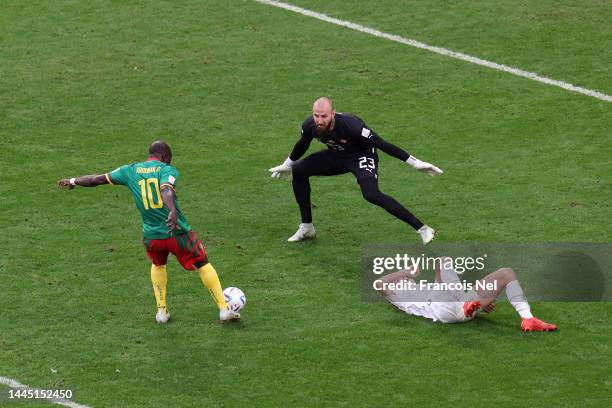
144, 181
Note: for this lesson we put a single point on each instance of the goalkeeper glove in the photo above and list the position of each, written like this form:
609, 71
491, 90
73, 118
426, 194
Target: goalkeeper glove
283, 170
424, 167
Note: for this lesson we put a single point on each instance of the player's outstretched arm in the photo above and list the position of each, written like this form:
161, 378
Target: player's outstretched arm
83, 181
424, 167
284, 169
399, 153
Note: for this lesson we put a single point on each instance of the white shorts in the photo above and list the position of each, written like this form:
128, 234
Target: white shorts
445, 312
450, 312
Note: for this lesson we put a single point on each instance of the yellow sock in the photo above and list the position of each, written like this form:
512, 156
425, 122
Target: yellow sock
211, 281
159, 278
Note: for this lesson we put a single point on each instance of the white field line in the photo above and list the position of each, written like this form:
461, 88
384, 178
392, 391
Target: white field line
438, 50
59, 401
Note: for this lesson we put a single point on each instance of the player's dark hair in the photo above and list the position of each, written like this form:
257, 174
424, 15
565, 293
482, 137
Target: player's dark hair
160, 148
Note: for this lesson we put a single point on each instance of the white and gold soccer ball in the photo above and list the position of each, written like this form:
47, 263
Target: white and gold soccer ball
235, 298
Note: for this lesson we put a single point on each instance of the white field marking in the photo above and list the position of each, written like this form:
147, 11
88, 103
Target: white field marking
438, 50
59, 401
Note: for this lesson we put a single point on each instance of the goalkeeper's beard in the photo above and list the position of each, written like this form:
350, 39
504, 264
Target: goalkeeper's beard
324, 130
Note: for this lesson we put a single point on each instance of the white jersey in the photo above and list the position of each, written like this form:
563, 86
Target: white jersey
423, 309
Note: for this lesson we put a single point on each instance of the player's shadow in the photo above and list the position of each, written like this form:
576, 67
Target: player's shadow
480, 323
234, 325
478, 332
176, 321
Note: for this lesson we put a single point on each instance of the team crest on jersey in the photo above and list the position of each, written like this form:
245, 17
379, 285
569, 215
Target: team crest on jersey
365, 132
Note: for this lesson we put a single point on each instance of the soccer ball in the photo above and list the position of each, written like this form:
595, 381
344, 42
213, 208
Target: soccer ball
235, 298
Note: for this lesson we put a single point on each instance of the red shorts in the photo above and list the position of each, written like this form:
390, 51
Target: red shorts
187, 248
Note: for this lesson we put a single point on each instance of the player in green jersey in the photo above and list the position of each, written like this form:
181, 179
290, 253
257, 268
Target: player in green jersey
165, 229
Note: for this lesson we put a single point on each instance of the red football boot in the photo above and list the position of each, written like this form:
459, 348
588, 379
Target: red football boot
469, 308
535, 324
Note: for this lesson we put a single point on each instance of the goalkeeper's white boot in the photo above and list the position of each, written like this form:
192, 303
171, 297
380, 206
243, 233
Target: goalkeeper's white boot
305, 231
225, 315
427, 234
162, 316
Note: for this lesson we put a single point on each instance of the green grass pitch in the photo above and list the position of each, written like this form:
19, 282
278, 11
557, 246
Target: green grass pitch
86, 86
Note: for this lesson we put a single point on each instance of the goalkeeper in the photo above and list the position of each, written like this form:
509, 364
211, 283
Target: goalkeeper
165, 229
351, 147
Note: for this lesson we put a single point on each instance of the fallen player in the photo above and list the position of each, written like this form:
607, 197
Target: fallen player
457, 305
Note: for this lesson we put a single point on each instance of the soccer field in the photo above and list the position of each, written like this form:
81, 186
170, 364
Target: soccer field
86, 86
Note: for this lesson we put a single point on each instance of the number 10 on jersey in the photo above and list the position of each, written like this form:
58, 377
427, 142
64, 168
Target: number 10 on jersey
147, 187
